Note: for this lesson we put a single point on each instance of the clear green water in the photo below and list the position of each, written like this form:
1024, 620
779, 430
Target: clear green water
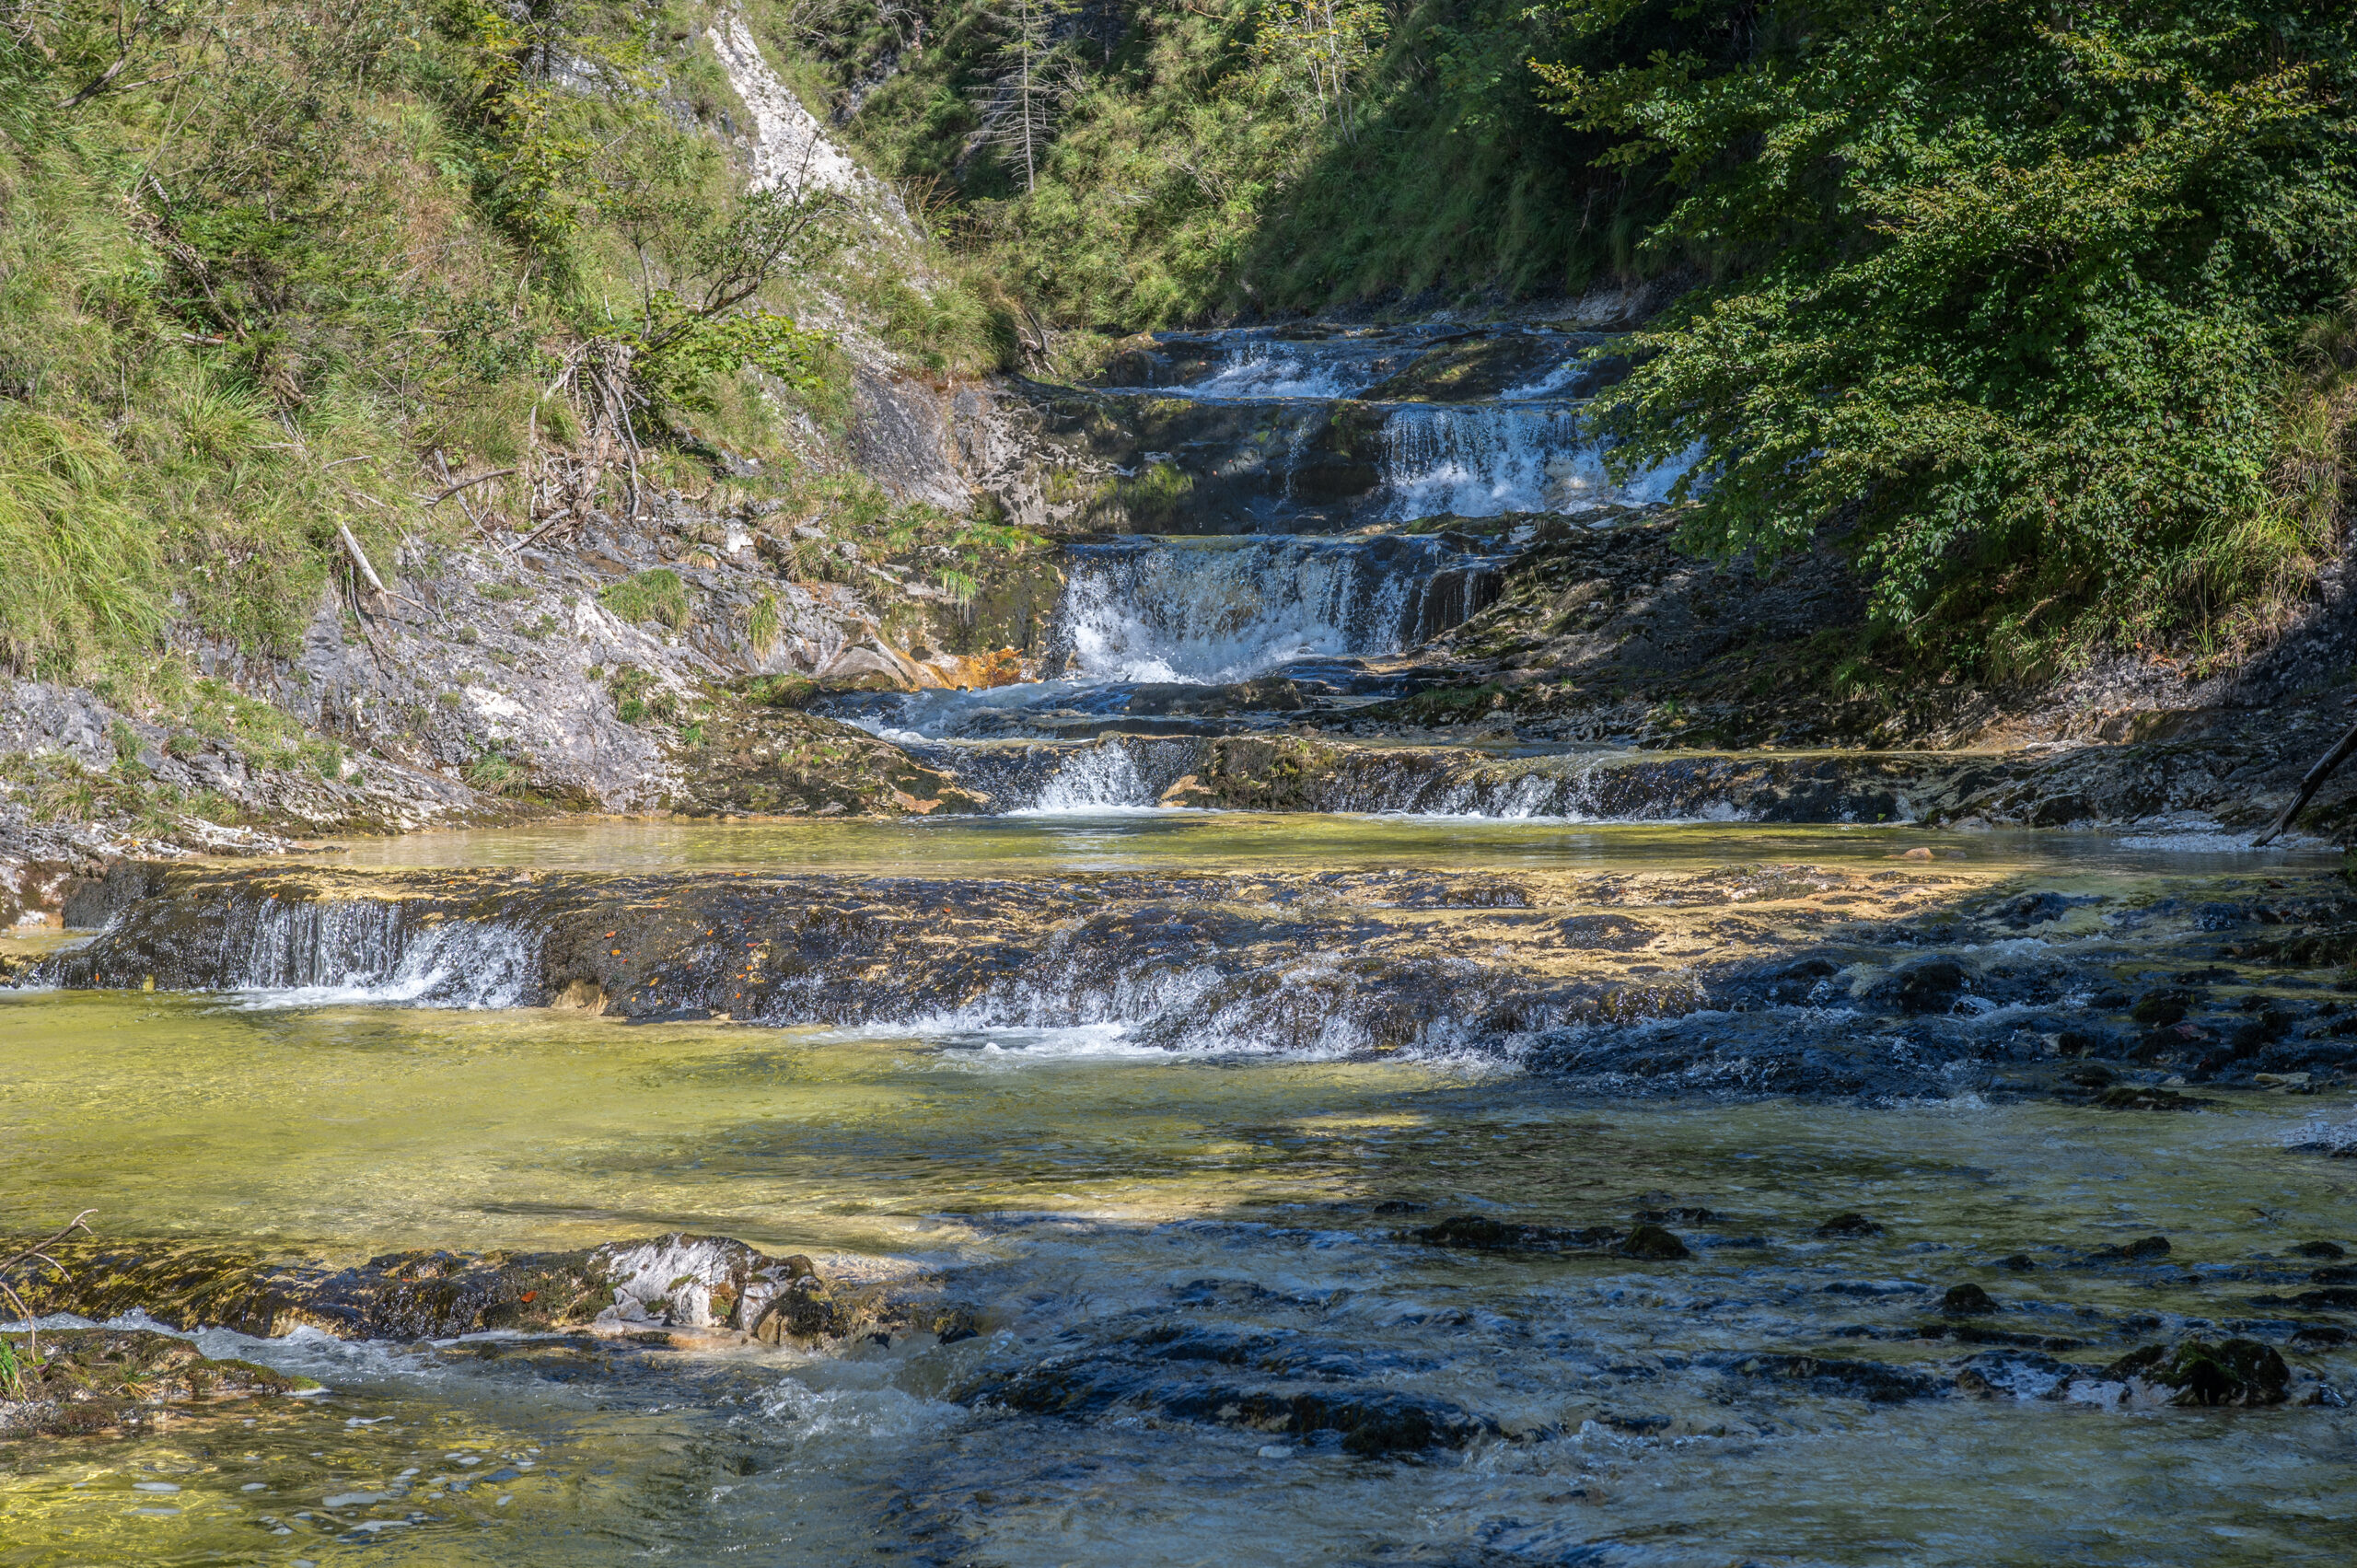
1165, 841
1083, 1193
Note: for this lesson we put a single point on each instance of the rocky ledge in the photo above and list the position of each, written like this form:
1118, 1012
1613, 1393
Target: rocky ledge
1927, 978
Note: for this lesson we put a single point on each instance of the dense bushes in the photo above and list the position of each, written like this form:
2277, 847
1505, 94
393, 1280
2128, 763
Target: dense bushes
2012, 296
2008, 295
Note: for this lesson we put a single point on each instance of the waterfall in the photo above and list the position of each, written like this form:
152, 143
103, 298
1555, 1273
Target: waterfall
1481, 460
1215, 611
304, 951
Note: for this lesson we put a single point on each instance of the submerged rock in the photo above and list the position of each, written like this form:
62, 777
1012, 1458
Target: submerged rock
1872, 1380
1294, 1400
1966, 1300
1481, 1234
87, 1380
2142, 1250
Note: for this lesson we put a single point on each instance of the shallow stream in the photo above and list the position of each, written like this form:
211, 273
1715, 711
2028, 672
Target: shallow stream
1155, 1239
1306, 1219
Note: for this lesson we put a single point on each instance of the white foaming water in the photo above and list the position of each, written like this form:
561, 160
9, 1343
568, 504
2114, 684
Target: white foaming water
1260, 369
1095, 779
305, 954
1214, 611
1481, 460
1550, 385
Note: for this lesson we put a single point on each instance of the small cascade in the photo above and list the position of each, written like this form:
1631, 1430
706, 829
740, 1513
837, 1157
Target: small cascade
1117, 773
1255, 431
295, 951
1214, 611
1105, 776
1150, 627
1482, 459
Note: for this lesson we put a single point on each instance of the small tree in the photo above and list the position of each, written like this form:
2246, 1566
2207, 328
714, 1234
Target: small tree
1323, 48
1033, 75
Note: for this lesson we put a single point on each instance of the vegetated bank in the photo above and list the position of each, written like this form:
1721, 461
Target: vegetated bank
428, 416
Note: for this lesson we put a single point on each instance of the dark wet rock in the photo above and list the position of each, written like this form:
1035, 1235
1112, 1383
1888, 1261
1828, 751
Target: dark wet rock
1851, 1224
2161, 1008
2128, 1098
1652, 1242
2195, 1372
2335, 1274
89, 1380
2321, 1336
2019, 1262
1481, 1234
1928, 985
1873, 1380
2144, 1249
1683, 1214
1367, 1421
2336, 1298
2319, 1250
1966, 1300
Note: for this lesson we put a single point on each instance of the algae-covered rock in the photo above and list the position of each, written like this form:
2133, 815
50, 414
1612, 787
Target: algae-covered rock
88, 1380
2197, 1373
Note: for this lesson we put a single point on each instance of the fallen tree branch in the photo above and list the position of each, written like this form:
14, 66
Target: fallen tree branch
40, 1249
469, 484
2309, 785
360, 559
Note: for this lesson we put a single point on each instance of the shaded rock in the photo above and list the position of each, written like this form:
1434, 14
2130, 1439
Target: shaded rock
1966, 1300
2195, 1372
2318, 1249
1651, 1241
2321, 1336
2142, 1250
1848, 1226
1928, 985
2332, 1299
1872, 1380
2019, 1262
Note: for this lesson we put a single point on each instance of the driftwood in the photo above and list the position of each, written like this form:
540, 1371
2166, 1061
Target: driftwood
2308, 787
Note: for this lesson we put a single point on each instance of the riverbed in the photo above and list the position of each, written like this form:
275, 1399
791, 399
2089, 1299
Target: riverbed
1165, 1246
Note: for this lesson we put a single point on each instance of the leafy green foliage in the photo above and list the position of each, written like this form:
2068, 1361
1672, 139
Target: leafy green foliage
1233, 156
2006, 293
